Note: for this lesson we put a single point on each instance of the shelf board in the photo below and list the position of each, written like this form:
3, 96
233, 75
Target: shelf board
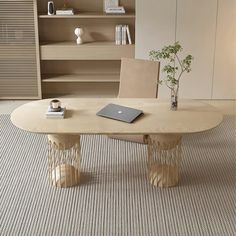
86, 51
100, 15
81, 78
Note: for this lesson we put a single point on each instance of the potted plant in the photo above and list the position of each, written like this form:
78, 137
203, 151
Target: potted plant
173, 69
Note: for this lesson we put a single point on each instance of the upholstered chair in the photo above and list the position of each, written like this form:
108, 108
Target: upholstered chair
138, 79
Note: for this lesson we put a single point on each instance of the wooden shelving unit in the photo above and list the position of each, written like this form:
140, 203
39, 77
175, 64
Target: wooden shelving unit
86, 51
83, 78
95, 65
90, 15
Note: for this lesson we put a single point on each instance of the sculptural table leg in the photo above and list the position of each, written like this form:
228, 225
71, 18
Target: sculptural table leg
164, 157
64, 160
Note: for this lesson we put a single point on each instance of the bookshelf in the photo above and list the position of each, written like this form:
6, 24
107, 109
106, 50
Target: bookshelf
91, 69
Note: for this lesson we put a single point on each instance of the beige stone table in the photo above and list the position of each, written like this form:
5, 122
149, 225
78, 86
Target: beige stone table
163, 128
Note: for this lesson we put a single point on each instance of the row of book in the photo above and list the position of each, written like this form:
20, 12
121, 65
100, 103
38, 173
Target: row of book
122, 36
65, 12
109, 10
115, 10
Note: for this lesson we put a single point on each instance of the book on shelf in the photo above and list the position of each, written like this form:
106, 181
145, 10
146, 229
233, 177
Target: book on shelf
118, 35
115, 10
128, 34
65, 12
110, 3
124, 38
122, 33
55, 114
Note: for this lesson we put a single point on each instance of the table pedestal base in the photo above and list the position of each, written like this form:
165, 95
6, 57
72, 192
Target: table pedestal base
164, 157
64, 160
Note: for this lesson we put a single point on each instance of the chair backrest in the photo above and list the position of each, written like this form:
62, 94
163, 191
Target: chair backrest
139, 78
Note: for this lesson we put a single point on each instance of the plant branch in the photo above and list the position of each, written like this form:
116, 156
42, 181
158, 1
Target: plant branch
180, 75
168, 85
177, 90
179, 62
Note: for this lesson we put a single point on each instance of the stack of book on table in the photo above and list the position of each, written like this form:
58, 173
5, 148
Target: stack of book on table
65, 12
122, 34
59, 114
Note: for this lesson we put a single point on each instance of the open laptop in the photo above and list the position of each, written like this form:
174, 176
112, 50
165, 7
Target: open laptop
121, 113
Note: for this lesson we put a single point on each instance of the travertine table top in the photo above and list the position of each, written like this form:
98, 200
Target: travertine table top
191, 117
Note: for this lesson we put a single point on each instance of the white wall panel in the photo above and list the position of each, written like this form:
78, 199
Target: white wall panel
155, 27
224, 84
196, 26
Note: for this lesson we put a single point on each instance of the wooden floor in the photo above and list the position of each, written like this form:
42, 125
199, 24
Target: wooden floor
225, 106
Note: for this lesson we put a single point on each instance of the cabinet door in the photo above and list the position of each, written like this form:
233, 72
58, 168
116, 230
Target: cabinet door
224, 85
19, 57
196, 25
155, 27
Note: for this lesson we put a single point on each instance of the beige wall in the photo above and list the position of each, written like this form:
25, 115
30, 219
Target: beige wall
225, 55
206, 30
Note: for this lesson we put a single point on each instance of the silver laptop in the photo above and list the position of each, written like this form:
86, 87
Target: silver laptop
120, 113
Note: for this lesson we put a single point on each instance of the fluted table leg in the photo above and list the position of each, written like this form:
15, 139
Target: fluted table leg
164, 158
64, 160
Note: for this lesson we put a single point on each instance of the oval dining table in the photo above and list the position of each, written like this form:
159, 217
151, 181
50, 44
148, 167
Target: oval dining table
162, 127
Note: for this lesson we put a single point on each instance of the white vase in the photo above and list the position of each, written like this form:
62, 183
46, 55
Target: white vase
79, 32
174, 100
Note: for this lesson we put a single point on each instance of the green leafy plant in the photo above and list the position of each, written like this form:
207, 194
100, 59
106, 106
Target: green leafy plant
174, 67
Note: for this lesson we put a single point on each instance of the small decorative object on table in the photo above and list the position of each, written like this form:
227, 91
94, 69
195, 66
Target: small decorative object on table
55, 110
171, 69
79, 32
55, 105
